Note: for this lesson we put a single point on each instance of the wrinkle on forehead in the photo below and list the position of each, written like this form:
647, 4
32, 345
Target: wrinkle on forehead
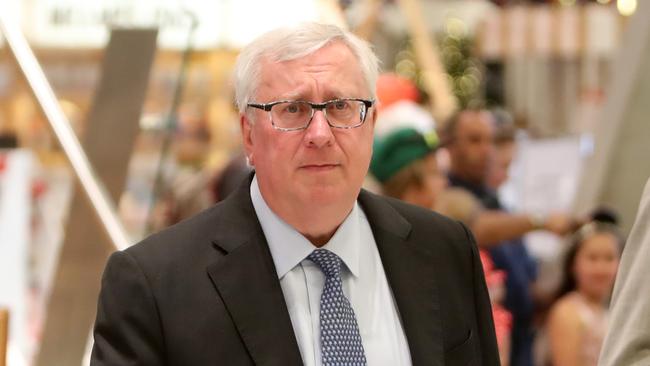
311, 75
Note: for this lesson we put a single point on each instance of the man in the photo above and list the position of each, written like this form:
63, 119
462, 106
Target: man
476, 142
470, 136
628, 338
299, 265
469, 140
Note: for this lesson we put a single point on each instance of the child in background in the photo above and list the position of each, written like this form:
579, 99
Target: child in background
578, 320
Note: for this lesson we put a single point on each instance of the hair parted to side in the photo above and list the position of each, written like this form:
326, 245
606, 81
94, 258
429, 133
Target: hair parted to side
291, 43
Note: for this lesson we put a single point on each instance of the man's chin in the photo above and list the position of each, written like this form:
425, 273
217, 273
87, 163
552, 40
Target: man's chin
322, 192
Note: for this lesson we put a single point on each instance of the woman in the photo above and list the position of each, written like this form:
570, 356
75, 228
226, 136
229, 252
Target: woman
578, 320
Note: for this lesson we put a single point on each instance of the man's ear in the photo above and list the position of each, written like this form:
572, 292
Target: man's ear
247, 136
373, 118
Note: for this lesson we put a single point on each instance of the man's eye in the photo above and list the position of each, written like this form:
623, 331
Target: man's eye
293, 108
340, 105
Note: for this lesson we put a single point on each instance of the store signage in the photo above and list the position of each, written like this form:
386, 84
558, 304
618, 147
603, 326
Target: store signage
224, 23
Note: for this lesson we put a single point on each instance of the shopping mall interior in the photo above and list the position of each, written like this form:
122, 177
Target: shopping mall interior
117, 120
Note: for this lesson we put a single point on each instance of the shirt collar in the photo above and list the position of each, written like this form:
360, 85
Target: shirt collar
288, 247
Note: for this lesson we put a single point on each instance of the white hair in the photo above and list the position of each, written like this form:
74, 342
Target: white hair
291, 43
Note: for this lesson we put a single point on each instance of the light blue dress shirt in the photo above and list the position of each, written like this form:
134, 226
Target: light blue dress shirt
364, 284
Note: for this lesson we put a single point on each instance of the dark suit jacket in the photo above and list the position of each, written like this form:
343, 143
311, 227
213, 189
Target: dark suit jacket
205, 291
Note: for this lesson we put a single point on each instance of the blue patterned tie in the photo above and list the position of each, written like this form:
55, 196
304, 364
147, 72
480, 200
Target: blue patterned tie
339, 333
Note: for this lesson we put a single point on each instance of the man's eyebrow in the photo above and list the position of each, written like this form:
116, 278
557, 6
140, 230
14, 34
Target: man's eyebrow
329, 95
294, 95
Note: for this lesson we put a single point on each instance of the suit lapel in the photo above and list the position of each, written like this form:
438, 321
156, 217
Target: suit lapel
412, 279
247, 282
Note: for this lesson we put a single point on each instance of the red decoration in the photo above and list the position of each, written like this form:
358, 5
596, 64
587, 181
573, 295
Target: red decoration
393, 88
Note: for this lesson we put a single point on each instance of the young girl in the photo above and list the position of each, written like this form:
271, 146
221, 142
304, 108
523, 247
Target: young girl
578, 320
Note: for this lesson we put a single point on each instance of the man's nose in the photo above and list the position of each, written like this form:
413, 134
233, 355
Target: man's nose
319, 132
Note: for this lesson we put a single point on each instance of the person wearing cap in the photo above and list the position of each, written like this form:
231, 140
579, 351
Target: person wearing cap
404, 162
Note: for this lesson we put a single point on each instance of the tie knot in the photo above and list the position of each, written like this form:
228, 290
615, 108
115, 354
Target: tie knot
328, 262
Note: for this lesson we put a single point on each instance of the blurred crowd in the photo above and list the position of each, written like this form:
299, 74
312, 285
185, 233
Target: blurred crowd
456, 168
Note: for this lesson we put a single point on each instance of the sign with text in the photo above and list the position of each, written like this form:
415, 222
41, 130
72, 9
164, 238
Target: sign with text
229, 24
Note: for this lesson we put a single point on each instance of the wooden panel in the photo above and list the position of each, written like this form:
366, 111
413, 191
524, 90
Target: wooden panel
4, 335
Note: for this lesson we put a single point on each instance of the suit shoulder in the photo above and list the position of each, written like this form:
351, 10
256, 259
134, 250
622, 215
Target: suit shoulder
188, 238
423, 226
422, 218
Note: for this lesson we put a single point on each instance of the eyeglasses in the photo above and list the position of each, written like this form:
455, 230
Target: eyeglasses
292, 115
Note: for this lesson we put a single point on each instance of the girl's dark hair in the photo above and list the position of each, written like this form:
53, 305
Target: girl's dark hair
585, 232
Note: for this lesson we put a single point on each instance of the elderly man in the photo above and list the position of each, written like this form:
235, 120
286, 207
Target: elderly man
300, 266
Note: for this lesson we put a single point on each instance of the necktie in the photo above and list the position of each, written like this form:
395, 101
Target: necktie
339, 332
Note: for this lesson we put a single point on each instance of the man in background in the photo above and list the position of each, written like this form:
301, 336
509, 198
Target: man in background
470, 139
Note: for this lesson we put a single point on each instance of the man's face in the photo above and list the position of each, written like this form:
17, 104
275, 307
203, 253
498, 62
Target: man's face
503, 155
472, 148
318, 165
433, 183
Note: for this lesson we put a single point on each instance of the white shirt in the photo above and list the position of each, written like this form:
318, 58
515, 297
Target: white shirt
364, 284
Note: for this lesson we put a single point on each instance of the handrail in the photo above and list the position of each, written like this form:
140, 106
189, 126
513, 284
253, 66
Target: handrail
94, 189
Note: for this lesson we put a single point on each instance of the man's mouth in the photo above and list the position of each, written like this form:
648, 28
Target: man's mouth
320, 166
